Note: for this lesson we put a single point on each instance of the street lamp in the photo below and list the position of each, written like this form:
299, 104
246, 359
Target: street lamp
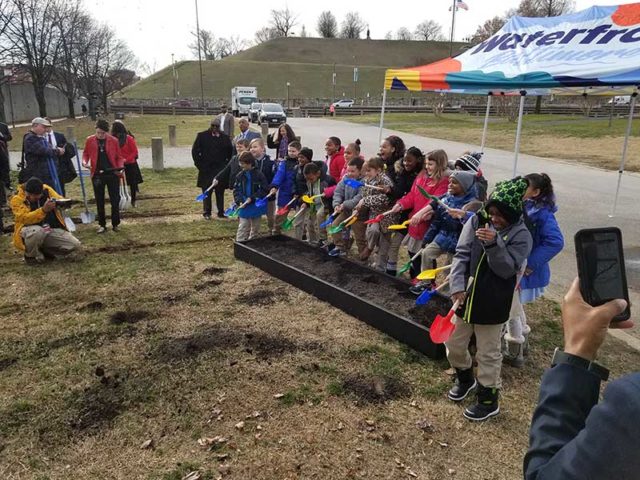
288, 106
199, 56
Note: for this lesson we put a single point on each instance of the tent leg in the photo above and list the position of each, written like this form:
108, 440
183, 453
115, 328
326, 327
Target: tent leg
486, 124
518, 132
624, 153
384, 101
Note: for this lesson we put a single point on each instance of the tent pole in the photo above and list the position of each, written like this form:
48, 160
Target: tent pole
486, 123
384, 101
518, 132
624, 152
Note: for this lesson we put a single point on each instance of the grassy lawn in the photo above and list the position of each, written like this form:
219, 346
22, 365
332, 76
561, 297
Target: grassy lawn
148, 359
589, 141
142, 126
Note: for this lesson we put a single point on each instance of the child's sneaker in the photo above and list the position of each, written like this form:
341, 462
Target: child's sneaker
487, 405
465, 383
336, 252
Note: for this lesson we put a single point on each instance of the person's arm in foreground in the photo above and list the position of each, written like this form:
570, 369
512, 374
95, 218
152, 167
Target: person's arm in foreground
571, 437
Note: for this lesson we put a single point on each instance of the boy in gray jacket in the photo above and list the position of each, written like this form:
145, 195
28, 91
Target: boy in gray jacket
491, 249
345, 199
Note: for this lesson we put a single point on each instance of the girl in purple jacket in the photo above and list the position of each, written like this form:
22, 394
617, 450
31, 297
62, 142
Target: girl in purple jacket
540, 207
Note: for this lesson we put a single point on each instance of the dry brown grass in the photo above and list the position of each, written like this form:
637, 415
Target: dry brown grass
204, 359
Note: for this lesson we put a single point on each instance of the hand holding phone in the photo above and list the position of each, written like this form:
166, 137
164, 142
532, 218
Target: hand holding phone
601, 267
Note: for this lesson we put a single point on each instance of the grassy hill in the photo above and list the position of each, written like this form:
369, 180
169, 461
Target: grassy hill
306, 63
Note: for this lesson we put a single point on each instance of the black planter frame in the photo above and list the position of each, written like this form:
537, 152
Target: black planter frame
399, 327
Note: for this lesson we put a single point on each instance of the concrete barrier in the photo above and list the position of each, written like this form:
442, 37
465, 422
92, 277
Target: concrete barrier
157, 158
71, 134
265, 129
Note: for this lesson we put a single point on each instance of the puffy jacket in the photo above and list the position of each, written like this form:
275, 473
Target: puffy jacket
346, 196
444, 229
24, 216
250, 184
547, 243
415, 201
36, 153
90, 153
285, 180
336, 164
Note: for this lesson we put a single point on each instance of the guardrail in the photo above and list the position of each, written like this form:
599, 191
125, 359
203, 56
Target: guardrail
478, 110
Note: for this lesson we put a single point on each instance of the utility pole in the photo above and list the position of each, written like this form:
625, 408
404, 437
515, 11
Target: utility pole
173, 67
334, 83
453, 26
355, 78
199, 56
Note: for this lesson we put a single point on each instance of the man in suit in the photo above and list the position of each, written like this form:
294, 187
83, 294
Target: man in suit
226, 122
66, 170
245, 133
572, 434
211, 152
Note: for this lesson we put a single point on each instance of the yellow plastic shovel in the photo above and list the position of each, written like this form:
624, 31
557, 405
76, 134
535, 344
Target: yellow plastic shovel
431, 274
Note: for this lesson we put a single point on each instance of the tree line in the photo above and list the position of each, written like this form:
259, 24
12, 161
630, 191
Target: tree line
57, 42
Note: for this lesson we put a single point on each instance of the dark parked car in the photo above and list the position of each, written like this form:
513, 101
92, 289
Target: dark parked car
254, 110
271, 113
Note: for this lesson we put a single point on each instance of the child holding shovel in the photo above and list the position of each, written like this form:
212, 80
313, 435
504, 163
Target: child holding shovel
315, 184
250, 185
377, 202
345, 198
433, 179
444, 230
284, 182
491, 249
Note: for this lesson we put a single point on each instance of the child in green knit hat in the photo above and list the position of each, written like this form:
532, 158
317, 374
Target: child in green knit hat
491, 249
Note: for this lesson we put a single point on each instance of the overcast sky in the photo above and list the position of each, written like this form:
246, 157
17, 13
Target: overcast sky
156, 29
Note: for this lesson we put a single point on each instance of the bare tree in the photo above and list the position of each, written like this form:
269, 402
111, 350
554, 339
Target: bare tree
352, 26
116, 67
429, 30
236, 44
487, 30
72, 22
265, 34
283, 21
32, 37
403, 33
6, 15
545, 8
388, 35
327, 25
207, 44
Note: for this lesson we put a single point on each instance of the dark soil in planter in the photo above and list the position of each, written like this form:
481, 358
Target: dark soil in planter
383, 290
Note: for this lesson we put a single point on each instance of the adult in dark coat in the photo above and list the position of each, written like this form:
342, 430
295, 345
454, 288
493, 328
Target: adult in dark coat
38, 157
211, 152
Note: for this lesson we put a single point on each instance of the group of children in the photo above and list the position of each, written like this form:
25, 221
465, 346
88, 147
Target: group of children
498, 246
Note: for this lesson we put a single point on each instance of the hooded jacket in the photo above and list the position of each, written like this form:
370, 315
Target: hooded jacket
547, 243
415, 201
285, 180
444, 229
250, 184
493, 267
346, 196
24, 216
336, 164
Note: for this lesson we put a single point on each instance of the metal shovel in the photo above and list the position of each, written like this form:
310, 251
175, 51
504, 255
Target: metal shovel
87, 217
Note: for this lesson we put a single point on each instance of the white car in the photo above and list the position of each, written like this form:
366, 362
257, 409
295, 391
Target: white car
344, 103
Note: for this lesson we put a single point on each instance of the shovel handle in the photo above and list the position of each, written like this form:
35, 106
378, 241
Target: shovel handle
455, 306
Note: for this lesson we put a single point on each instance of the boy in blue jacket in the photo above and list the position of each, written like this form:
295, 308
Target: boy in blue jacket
444, 231
268, 168
250, 185
284, 182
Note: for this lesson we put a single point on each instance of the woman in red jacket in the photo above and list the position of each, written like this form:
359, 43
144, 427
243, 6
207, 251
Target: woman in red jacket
102, 155
129, 151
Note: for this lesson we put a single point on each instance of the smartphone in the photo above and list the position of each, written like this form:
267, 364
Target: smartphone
601, 267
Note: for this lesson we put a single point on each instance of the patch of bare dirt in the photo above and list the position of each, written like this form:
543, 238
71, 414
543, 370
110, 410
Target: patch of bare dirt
7, 362
175, 298
209, 283
128, 316
374, 388
214, 271
261, 297
91, 307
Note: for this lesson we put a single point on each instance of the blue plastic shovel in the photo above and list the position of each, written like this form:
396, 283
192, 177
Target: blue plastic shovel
328, 221
350, 182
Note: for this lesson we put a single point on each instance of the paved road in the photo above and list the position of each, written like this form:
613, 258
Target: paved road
585, 194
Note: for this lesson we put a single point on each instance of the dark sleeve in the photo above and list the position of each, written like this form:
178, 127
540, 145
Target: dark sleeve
434, 228
195, 151
400, 186
36, 146
61, 139
224, 174
270, 142
264, 186
228, 149
570, 439
237, 190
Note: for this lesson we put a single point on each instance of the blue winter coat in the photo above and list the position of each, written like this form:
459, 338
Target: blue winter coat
250, 184
285, 180
547, 243
445, 230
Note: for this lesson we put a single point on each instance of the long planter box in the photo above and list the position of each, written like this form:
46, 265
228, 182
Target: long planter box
415, 335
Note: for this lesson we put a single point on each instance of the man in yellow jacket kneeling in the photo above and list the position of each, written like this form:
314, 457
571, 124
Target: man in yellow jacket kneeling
40, 231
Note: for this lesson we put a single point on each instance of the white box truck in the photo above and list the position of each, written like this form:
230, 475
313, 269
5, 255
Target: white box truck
242, 98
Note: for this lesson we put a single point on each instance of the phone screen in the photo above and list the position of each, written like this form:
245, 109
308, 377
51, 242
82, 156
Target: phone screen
601, 265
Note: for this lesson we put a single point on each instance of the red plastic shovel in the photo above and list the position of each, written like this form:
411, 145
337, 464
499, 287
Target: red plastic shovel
285, 210
377, 218
442, 328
